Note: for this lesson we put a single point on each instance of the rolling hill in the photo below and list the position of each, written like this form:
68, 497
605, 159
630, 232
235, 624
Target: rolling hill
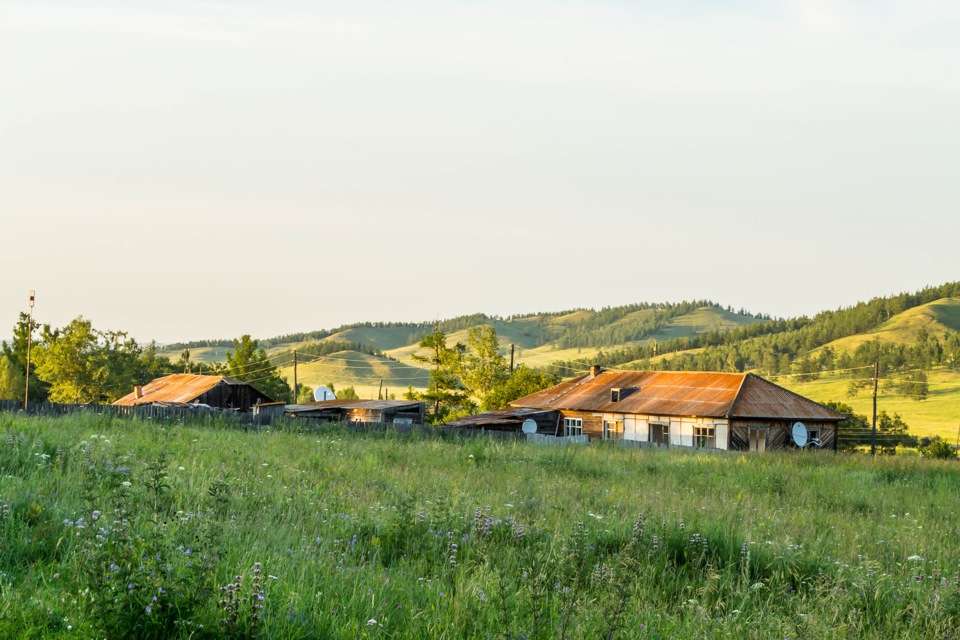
689, 335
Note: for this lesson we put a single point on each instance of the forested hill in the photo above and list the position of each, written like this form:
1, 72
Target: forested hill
909, 330
571, 328
904, 331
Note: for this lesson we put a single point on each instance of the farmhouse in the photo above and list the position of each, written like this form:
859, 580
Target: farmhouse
398, 412
734, 411
184, 388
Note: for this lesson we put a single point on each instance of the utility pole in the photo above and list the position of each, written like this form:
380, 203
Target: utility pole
511, 356
296, 395
26, 383
873, 437
380, 390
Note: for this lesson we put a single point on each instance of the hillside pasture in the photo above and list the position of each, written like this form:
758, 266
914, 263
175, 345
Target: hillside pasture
353, 368
936, 318
938, 415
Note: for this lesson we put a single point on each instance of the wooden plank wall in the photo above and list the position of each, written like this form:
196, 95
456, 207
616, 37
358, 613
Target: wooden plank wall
592, 425
779, 435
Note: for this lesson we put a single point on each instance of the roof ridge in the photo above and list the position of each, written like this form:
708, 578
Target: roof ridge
743, 383
797, 395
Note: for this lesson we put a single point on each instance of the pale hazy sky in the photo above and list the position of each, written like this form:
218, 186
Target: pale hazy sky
186, 170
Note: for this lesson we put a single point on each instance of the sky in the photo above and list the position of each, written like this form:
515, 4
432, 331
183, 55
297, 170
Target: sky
192, 170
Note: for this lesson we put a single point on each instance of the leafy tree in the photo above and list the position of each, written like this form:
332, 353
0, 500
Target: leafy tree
915, 386
445, 389
938, 448
16, 351
11, 379
348, 393
248, 362
522, 382
305, 394
184, 361
84, 365
484, 369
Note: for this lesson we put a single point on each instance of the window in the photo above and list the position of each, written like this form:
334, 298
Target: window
612, 430
660, 433
572, 427
705, 437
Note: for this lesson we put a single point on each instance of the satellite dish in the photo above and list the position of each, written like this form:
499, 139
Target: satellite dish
529, 426
800, 434
322, 393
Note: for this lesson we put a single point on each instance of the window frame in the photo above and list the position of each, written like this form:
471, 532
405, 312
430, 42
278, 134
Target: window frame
705, 436
572, 427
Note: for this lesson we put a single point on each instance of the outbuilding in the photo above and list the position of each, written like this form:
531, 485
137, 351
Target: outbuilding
220, 392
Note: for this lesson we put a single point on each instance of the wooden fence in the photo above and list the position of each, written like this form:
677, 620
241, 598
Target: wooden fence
143, 412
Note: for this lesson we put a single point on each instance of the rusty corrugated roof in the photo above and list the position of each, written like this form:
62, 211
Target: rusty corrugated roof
678, 393
761, 398
498, 416
179, 387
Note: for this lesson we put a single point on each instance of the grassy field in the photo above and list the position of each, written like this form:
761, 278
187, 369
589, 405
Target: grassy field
116, 528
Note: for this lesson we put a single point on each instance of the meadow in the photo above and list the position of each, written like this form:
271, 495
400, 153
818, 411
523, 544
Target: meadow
117, 528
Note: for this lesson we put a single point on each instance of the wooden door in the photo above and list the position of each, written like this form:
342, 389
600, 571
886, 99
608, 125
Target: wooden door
758, 440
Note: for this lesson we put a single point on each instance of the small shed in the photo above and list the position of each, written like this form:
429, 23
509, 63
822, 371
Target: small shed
220, 392
397, 412
510, 419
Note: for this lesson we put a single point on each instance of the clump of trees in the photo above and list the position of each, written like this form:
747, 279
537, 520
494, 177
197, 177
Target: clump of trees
79, 363
856, 431
465, 378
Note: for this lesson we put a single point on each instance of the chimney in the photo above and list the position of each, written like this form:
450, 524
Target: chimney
138, 390
595, 370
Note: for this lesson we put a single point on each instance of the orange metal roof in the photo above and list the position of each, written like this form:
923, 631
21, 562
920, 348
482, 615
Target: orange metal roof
497, 416
679, 393
179, 387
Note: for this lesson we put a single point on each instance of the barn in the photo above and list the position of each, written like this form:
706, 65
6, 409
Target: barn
186, 388
397, 412
729, 411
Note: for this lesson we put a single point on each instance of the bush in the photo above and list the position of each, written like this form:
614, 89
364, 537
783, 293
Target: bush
939, 449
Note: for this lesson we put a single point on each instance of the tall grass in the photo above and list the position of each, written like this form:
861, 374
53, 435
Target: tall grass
120, 528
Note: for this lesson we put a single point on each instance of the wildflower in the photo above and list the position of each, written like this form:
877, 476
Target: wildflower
148, 609
371, 622
482, 595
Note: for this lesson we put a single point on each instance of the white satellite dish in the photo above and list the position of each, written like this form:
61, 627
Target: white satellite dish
322, 393
800, 434
529, 426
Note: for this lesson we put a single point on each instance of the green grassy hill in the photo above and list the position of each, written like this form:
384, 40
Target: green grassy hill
936, 318
383, 338
689, 335
359, 370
